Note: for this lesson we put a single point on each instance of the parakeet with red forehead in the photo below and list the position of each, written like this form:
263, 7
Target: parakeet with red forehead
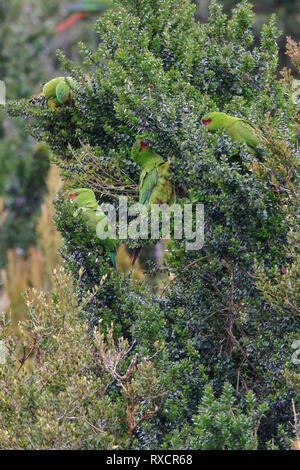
57, 91
243, 132
97, 222
240, 130
155, 185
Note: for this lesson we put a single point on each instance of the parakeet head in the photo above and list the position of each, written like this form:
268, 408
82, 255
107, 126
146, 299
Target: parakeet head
214, 120
139, 149
82, 197
139, 146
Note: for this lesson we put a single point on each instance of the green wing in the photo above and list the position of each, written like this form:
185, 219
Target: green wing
49, 89
62, 91
102, 223
148, 182
97, 222
247, 132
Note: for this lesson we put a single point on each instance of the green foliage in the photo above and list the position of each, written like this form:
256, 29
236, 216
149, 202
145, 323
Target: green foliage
221, 424
70, 399
156, 72
285, 11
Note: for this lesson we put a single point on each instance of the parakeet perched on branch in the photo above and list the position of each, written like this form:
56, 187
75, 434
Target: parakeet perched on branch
82, 9
155, 186
57, 91
242, 131
97, 222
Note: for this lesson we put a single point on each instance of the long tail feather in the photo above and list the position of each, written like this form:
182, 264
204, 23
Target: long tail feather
261, 153
113, 258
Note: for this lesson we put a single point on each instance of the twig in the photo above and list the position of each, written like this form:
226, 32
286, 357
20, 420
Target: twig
227, 264
25, 357
276, 189
91, 425
112, 182
184, 270
296, 424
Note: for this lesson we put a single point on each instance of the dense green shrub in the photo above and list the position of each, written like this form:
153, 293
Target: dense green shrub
78, 408
288, 22
156, 72
219, 424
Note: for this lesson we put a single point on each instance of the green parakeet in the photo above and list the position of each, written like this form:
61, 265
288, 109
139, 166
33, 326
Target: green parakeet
155, 186
85, 201
57, 89
240, 130
57, 92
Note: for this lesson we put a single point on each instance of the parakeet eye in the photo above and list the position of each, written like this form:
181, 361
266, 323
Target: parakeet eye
74, 196
206, 121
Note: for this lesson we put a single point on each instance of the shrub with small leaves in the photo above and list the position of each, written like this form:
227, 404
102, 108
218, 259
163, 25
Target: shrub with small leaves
67, 398
222, 425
